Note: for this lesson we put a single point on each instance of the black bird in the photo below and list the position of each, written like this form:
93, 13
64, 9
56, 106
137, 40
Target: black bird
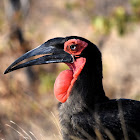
85, 112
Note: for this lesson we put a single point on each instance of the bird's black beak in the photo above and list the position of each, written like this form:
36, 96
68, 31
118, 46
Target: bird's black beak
51, 54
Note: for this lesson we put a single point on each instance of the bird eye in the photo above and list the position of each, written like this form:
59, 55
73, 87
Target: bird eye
73, 47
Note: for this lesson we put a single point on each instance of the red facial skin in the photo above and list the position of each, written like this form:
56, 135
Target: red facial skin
81, 45
66, 79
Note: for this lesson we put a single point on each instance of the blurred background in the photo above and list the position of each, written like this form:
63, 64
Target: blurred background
28, 108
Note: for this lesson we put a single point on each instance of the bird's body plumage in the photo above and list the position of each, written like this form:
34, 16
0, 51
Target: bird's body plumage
111, 120
85, 112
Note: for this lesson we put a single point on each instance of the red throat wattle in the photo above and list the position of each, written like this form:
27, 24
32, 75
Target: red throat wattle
66, 79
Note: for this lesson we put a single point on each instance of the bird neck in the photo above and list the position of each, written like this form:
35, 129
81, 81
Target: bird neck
88, 88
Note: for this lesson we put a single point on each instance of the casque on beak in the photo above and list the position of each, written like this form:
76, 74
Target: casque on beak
51, 54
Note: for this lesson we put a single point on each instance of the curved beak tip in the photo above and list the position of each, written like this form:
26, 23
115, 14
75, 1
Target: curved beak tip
6, 71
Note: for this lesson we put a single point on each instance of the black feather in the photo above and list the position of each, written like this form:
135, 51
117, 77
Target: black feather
89, 115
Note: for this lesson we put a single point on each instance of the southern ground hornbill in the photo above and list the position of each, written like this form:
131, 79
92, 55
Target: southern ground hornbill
85, 112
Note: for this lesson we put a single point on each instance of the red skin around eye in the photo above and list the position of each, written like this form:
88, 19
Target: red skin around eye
81, 45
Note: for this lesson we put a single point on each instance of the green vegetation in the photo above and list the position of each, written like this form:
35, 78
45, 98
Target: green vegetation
119, 19
136, 8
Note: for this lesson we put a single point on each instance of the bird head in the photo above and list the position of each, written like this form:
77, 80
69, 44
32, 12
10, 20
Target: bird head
74, 51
